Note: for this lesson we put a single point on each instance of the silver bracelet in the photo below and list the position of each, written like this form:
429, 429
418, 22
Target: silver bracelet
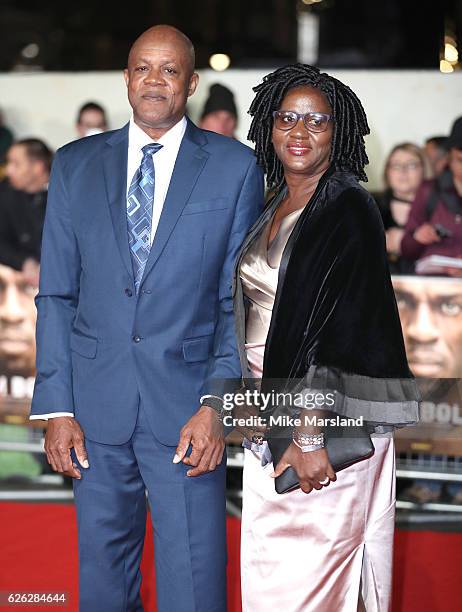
306, 439
309, 447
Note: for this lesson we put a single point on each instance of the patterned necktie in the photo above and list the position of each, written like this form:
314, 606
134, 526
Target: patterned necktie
139, 211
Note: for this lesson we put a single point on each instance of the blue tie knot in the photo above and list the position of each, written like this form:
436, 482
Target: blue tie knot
151, 148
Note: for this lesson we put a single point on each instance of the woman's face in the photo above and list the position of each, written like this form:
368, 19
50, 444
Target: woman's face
300, 150
404, 173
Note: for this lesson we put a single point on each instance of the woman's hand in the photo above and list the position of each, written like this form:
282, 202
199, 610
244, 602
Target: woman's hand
313, 469
455, 272
426, 234
249, 422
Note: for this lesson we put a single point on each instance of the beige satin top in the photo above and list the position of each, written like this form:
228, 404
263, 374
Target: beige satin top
259, 274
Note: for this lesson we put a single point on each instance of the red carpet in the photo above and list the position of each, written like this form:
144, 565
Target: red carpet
38, 552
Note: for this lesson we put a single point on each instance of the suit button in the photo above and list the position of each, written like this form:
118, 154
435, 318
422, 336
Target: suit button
136, 338
128, 292
147, 291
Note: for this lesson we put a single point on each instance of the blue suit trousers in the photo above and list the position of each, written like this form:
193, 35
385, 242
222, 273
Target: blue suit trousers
188, 516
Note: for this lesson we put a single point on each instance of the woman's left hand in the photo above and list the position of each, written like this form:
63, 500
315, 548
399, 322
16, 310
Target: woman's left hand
313, 469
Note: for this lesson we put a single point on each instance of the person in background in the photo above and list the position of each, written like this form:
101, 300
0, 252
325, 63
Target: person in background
23, 198
404, 173
91, 119
434, 226
6, 140
17, 336
220, 113
436, 153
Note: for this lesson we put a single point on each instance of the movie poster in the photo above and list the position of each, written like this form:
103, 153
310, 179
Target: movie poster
17, 370
430, 309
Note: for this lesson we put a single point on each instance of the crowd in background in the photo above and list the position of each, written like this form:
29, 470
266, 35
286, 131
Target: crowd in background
420, 205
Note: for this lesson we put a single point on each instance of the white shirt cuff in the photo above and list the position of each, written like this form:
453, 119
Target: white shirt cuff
51, 415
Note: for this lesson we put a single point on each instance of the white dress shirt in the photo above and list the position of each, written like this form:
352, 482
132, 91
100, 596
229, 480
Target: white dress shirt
164, 162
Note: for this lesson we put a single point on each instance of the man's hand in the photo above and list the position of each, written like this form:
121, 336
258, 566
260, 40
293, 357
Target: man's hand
64, 433
426, 234
312, 468
204, 431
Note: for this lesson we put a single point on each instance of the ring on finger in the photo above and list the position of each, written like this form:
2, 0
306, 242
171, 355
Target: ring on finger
325, 481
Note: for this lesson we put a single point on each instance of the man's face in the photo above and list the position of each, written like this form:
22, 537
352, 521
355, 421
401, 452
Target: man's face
91, 122
455, 164
431, 317
159, 79
22, 171
17, 323
221, 122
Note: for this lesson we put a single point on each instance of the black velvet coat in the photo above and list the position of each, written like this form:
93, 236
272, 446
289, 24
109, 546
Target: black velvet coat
335, 323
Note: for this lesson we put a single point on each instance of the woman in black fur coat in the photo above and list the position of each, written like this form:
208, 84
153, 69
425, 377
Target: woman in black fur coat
315, 309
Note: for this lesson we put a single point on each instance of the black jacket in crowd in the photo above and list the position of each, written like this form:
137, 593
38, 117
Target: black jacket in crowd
21, 222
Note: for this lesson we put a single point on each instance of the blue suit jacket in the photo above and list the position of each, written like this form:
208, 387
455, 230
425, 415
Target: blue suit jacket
100, 348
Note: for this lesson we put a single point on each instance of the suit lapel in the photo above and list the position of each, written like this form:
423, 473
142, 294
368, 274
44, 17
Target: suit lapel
189, 164
115, 175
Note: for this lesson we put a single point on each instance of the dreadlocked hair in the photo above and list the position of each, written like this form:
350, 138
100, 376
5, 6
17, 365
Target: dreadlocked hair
348, 151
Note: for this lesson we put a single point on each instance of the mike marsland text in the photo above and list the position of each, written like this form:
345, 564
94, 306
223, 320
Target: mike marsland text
289, 421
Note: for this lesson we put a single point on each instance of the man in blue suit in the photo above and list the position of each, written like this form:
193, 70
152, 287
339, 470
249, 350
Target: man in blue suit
135, 324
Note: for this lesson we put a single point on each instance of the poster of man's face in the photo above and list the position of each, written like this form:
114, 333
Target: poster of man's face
17, 324
430, 309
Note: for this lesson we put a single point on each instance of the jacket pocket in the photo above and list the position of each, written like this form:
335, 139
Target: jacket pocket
84, 345
198, 349
205, 206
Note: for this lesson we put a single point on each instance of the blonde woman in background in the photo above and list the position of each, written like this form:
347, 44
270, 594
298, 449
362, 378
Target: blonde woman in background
404, 173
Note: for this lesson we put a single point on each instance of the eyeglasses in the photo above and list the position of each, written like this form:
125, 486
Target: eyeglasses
314, 122
397, 167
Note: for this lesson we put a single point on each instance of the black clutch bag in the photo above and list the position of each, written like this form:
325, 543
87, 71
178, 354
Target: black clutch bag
345, 446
